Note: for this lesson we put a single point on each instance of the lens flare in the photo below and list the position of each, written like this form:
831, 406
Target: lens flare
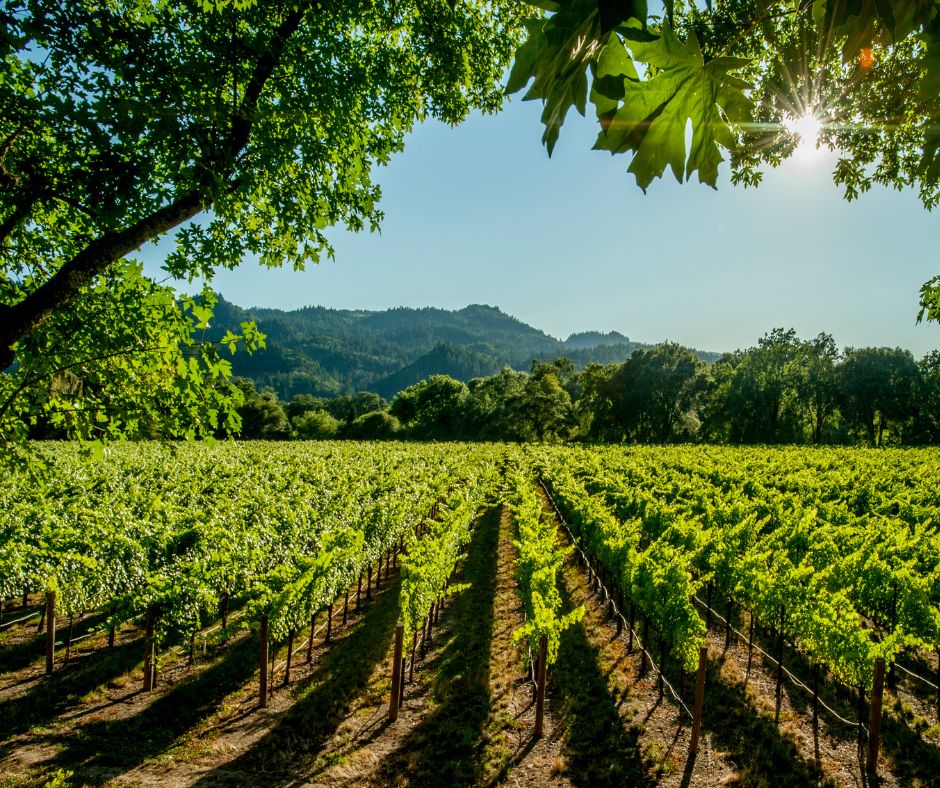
806, 127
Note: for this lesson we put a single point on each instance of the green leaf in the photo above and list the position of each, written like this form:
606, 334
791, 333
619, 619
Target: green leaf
555, 57
655, 113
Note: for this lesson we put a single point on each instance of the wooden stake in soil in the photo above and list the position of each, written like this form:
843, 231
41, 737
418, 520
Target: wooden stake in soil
273, 663
148, 654
750, 645
938, 685
369, 583
861, 719
313, 625
359, 592
50, 631
263, 664
290, 653
699, 697
728, 611
68, 641
395, 703
662, 661
401, 683
779, 695
874, 727
816, 713
414, 647
345, 607
329, 624
632, 622
540, 697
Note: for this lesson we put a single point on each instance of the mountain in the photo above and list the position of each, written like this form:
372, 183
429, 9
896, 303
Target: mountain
316, 350
591, 339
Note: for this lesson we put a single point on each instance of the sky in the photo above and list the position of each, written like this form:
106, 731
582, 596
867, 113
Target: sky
481, 214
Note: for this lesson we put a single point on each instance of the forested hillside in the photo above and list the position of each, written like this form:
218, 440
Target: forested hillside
323, 351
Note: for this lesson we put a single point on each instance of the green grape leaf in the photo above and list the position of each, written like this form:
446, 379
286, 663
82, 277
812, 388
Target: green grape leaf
652, 120
555, 57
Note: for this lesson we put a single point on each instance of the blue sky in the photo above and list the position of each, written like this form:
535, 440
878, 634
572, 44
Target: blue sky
480, 214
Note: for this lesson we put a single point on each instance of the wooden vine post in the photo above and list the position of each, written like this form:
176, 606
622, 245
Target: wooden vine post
148, 653
874, 728
540, 694
397, 663
779, 693
290, 653
329, 624
816, 714
263, 663
728, 612
699, 698
50, 632
313, 626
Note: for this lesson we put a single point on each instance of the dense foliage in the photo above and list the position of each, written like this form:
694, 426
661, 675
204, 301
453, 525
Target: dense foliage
784, 390
838, 550
180, 532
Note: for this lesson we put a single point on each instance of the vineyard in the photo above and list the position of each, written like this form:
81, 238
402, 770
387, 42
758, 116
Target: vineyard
443, 613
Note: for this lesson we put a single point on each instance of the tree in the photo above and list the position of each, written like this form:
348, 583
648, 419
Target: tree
595, 406
546, 404
762, 396
818, 385
878, 387
431, 408
494, 409
262, 415
315, 424
126, 359
376, 425
655, 389
245, 128
736, 71
929, 410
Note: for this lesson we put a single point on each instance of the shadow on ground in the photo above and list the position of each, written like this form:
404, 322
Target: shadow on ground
599, 749
322, 702
104, 749
447, 746
51, 696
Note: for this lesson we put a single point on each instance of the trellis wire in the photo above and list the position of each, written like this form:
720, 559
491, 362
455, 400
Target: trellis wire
613, 602
786, 670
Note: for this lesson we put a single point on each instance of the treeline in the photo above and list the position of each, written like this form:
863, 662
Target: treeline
784, 390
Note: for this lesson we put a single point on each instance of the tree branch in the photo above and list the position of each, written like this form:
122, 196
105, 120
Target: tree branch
32, 311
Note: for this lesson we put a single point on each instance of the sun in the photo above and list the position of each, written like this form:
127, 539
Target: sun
807, 127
